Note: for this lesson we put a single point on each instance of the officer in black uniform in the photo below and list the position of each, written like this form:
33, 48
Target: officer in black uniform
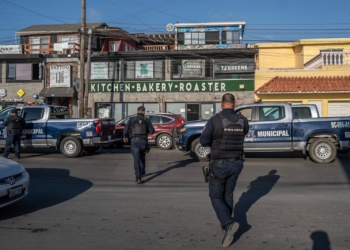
14, 125
140, 128
224, 133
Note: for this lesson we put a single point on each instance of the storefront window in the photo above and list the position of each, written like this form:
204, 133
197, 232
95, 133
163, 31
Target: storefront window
207, 111
122, 110
176, 108
152, 107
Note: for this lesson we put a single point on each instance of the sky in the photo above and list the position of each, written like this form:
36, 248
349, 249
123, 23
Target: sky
266, 20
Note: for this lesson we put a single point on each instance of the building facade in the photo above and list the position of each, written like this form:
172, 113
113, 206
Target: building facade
312, 71
171, 81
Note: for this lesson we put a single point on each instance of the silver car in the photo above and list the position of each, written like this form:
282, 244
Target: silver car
14, 182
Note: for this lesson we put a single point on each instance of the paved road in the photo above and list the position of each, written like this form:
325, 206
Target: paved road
282, 201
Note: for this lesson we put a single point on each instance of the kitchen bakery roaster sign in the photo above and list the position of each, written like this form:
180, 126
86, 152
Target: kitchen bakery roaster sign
173, 86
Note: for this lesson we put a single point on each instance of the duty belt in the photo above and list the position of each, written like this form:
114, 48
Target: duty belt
139, 138
226, 160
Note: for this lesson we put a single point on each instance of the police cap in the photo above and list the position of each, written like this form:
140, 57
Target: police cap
14, 111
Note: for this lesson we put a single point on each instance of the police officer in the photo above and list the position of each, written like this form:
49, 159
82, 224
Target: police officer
224, 133
14, 125
140, 128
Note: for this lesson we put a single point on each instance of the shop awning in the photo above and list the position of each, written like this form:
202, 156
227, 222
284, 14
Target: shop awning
57, 92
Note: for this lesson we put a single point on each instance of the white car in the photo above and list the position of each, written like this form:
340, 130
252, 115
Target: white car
14, 182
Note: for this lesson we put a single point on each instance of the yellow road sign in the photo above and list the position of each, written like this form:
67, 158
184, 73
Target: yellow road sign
21, 93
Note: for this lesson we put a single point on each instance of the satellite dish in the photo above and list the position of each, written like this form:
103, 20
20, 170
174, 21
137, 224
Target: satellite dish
170, 27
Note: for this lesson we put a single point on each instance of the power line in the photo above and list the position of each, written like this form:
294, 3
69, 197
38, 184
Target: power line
38, 13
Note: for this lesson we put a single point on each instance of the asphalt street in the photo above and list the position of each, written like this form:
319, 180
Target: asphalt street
282, 201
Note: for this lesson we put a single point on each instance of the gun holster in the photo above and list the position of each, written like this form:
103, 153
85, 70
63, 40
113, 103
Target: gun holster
206, 173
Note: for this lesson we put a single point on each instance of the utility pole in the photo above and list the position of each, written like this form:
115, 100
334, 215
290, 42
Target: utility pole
82, 59
86, 92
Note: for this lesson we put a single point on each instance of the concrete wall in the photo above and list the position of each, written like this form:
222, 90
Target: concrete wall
29, 87
242, 97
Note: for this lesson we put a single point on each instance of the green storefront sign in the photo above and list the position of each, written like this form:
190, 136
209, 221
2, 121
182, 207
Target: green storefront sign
173, 86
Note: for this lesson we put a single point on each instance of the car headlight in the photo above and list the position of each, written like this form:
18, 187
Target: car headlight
183, 129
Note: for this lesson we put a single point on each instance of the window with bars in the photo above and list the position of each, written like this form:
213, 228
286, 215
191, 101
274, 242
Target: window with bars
69, 39
144, 69
128, 47
232, 37
114, 46
23, 71
43, 43
194, 38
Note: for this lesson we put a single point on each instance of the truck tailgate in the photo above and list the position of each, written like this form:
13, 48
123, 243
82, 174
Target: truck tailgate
107, 128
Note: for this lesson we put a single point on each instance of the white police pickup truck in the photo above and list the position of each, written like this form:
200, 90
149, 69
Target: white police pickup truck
279, 127
50, 126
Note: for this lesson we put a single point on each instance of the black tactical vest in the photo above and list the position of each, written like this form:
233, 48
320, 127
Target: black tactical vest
139, 126
15, 123
232, 135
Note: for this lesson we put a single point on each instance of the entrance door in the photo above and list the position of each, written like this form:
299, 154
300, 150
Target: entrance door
192, 112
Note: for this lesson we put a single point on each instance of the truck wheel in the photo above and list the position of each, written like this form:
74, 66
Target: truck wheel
164, 141
322, 151
71, 146
91, 150
199, 152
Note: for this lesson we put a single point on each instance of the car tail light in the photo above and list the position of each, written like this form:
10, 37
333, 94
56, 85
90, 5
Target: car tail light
98, 126
180, 123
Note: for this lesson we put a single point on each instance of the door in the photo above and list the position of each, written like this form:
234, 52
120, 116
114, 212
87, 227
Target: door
192, 112
269, 130
336, 109
34, 135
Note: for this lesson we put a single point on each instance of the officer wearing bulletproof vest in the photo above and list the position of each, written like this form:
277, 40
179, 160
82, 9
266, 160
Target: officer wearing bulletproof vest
224, 133
140, 127
14, 125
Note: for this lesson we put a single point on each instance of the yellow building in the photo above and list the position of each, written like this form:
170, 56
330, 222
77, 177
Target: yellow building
306, 71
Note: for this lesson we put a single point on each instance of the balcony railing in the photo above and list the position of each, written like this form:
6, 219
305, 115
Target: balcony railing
329, 58
155, 47
48, 48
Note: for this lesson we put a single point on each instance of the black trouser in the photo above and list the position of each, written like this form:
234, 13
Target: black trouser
221, 191
138, 150
13, 137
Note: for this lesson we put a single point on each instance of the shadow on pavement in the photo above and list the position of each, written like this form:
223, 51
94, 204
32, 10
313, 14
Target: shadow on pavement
321, 241
48, 187
179, 164
345, 162
257, 189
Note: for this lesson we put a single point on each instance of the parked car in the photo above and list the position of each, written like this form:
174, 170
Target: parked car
14, 182
166, 127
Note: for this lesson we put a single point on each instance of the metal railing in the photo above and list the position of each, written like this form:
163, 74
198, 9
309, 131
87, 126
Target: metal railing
48, 48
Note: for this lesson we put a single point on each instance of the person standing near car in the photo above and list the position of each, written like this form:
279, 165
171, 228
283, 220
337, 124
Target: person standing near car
14, 125
224, 133
140, 127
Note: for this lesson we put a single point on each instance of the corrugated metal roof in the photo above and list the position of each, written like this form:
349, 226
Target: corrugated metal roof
56, 28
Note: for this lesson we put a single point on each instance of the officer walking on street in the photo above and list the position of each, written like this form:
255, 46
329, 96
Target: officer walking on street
14, 125
224, 133
140, 128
